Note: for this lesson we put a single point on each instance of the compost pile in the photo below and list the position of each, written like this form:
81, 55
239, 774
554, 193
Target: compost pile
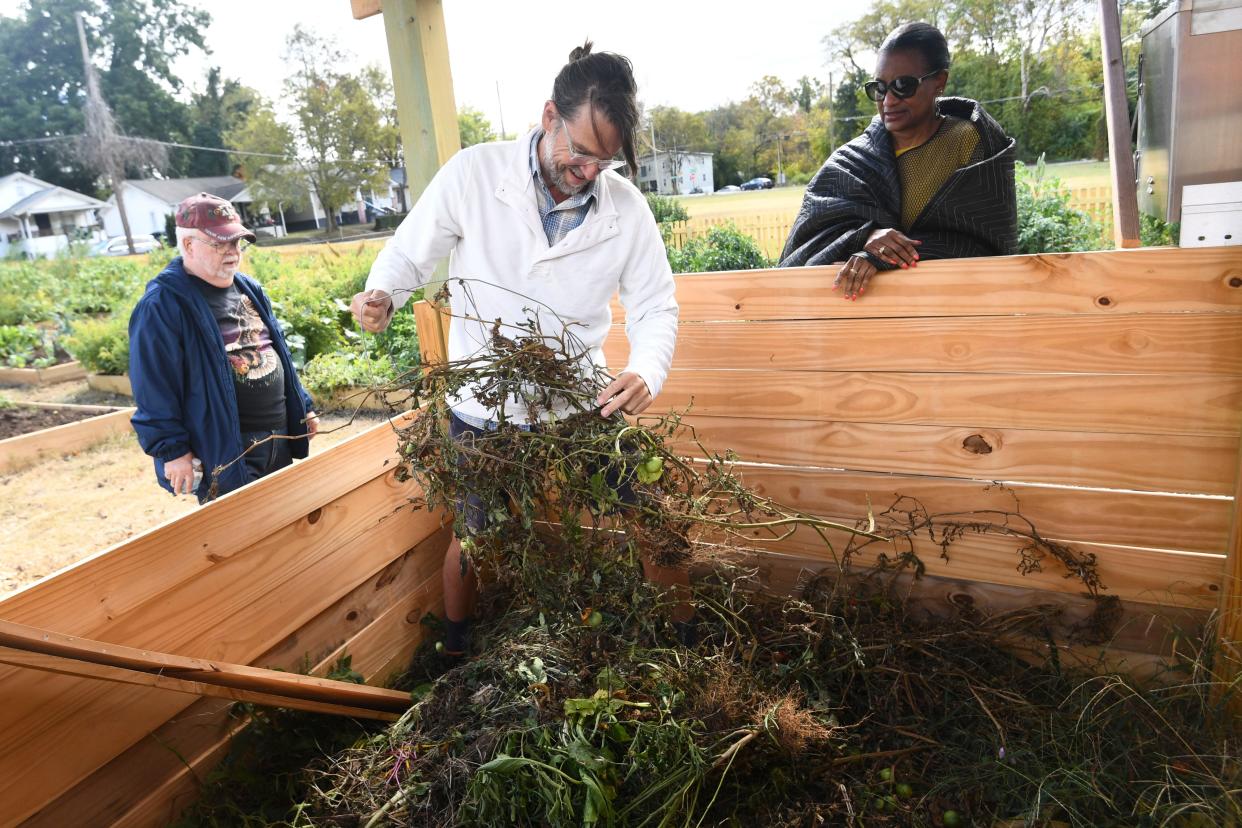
848, 704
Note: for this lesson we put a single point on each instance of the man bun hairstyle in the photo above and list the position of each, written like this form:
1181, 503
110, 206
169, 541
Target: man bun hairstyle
923, 38
604, 81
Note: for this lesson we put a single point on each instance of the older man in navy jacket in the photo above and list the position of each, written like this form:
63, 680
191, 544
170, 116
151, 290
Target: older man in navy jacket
210, 369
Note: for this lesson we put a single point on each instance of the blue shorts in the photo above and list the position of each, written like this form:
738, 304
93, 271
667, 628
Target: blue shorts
471, 507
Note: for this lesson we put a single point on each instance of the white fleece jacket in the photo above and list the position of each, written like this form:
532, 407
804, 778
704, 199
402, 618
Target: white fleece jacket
480, 210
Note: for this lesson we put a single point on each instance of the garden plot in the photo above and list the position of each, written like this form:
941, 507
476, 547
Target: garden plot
32, 431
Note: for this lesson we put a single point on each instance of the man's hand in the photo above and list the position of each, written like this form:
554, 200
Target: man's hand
312, 425
372, 309
180, 473
627, 392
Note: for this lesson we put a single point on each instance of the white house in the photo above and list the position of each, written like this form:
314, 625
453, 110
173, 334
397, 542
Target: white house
149, 201
40, 219
672, 172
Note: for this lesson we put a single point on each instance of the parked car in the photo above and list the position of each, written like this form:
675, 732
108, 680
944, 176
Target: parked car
758, 184
116, 246
730, 188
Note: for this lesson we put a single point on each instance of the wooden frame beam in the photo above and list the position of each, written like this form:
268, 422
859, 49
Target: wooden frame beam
1120, 151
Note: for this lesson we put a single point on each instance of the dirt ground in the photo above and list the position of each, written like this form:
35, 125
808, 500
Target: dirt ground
63, 510
19, 420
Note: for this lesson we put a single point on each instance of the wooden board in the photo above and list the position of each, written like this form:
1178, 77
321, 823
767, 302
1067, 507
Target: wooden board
1142, 627
1117, 282
233, 609
1172, 579
1145, 404
201, 672
1125, 518
1197, 465
78, 668
83, 599
144, 787
42, 376
58, 441
1193, 343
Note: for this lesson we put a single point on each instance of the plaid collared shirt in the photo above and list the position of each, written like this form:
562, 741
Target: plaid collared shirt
558, 219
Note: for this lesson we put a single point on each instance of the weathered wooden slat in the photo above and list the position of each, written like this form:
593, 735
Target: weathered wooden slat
1123, 518
235, 611
141, 787
1146, 576
1190, 343
1196, 465
70, 438
241, 677
1056, 402
78, 668
1115, 282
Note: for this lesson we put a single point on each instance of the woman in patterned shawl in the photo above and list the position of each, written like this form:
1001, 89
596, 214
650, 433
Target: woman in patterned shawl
930, 178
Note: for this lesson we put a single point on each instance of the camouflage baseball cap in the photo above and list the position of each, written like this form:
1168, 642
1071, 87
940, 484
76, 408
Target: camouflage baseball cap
212, 215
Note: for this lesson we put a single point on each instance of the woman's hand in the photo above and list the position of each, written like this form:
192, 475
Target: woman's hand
854, 276
894, 247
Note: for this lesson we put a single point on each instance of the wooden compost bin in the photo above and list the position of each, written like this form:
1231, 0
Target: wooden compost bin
1105, 389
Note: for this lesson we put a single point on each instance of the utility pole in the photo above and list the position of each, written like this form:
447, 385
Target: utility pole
102, 148
503, 135
832, 116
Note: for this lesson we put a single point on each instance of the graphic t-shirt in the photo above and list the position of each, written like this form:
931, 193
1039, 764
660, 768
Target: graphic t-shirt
258, 374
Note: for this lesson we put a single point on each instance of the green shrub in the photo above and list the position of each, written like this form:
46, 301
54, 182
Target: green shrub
331, 372
101, 345
27, 346
1154, 232
723, 248
400, 339
388, 222
666, 208
1046, 222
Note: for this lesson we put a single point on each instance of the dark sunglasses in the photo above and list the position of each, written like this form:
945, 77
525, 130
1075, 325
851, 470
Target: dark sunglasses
903, 87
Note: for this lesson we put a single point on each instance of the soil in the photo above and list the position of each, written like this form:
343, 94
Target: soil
63, 510
22, 420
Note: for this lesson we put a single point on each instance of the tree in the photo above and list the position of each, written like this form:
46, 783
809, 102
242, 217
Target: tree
42, 86
218, 109
337, 122
473, 127
264, 153
389, 148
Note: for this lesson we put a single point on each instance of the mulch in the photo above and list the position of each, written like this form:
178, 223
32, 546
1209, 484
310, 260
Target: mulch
23, 420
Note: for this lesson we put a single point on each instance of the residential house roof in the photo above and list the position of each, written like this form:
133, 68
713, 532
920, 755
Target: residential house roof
69, 201
172, 191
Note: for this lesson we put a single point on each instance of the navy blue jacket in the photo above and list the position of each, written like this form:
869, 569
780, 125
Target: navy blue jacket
183, 383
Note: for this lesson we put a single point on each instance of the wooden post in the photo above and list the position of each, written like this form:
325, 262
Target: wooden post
1120, 151
432, 332
423, 82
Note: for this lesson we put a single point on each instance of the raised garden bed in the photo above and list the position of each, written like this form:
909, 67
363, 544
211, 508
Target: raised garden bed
42, 376
111, 383
30, 432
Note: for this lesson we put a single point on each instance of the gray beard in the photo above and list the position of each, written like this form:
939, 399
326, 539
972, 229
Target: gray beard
551, 171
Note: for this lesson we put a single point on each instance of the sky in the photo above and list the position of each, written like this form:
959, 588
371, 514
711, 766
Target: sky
691, 54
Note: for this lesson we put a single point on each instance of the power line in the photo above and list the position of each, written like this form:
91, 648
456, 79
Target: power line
139, 140
1041, 91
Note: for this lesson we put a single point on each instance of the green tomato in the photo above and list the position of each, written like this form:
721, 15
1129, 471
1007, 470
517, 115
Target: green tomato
904, 790
950, 819
654, 464
886, 774
439, 646
595, 619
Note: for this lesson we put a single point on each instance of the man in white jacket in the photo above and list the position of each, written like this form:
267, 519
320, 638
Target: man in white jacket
544, 225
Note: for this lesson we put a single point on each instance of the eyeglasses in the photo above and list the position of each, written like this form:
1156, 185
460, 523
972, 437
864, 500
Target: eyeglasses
577, 160
903, 87
240, 245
